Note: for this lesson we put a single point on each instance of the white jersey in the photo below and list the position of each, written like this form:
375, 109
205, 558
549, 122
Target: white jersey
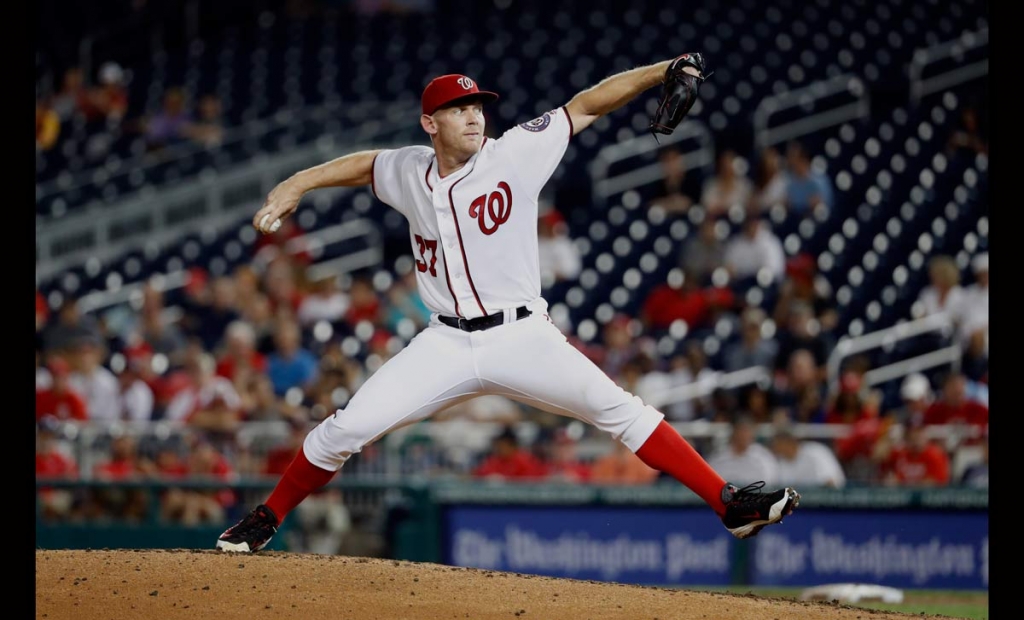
474, 232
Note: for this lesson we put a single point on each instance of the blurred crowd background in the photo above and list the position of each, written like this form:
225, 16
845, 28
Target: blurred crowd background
719, 289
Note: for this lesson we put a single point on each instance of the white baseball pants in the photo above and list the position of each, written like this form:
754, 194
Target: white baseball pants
529, 361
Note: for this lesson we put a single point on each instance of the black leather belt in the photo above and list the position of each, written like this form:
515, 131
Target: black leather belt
484, 322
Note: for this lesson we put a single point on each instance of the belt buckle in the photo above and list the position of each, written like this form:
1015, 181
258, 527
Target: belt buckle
464, 324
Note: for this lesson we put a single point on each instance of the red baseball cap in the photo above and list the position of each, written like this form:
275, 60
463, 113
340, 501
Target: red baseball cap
447, 88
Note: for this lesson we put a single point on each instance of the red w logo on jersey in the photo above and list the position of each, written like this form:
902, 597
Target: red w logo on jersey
498, 208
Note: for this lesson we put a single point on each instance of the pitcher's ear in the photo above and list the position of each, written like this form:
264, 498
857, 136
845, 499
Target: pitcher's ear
428, 124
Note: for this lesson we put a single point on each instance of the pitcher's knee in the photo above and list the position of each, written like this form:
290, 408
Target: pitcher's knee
333, 441
632, 422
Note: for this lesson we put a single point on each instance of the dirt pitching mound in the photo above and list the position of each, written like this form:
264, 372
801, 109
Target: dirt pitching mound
158, 584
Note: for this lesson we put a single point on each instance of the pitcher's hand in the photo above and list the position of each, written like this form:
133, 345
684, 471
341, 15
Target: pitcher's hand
282, 201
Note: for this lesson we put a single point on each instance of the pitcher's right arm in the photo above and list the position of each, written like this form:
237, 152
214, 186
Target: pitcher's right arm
347, 171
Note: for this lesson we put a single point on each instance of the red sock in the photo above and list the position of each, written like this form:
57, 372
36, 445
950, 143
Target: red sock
667, 451
299, 480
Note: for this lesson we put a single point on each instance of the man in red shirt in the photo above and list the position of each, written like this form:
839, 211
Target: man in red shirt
507, 460
955, 408
681, 297
59, 401
917, 461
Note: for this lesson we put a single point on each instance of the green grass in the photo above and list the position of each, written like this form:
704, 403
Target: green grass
970, 604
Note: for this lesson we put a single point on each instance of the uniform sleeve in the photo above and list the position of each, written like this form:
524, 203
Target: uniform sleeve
535, 148
393, 171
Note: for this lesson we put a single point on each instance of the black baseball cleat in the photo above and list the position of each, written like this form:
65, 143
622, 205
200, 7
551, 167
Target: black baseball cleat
748, 510
251, 533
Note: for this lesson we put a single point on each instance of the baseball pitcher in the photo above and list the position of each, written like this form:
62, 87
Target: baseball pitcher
471, 204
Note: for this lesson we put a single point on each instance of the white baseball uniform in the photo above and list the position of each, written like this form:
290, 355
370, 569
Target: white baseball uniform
474, 237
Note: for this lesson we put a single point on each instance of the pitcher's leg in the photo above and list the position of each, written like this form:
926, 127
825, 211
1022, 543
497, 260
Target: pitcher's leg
532, 361
433, 372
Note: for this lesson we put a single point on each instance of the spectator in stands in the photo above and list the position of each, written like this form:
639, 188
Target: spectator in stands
619, 345
136, 397
729, 186
160, 335
47, 125
804, 284
247, 285
69, 326
193, 507
324, 301
753, 349
561, 460
802, 331
973, 316
754, 249
621, 467
743, 460
914, 459
259, 314
916, 395
110, 98
53, 461
239, 351
94, 381
681, 297
771, 184
677, 190
702, 254
943, 294
558, 256
755, 402
114, 501
967, 137
73, 95
60, 401
167, 126
404, 303
848, 405
207, 402
210, 321
208, 128
800, 388
364, 303
954, 407
290, 365
508, 460
805, 463
806, 188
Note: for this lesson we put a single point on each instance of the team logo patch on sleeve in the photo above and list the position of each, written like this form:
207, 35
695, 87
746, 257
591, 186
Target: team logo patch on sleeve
538, 124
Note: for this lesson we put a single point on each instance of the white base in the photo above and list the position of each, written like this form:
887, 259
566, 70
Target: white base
852, 593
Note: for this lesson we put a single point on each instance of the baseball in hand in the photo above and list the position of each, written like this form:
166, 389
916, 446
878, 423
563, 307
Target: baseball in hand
273, 227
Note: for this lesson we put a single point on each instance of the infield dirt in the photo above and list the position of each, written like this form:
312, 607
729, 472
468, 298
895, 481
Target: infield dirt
158, 584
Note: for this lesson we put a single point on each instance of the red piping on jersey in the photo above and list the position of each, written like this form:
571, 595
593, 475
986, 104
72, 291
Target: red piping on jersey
426, 177
568, 118
373, 177
462, 247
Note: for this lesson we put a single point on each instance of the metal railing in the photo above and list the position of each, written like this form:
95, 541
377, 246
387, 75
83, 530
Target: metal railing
604, 186
709, 383
206, 203
847, 347
806, 97
955, 49
391, 457
324, 264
